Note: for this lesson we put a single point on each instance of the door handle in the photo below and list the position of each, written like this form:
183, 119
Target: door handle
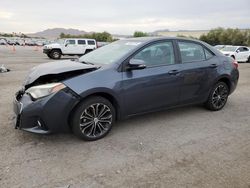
174, 72
213, 65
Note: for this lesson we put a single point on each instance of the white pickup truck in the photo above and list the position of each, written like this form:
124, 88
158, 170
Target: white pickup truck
69, 46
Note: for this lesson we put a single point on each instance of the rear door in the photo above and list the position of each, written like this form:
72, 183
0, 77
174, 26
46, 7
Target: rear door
81, 46
156, 86
198, 69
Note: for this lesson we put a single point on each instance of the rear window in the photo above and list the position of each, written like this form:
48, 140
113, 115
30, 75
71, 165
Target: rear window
81, 42
191, 52
91, 42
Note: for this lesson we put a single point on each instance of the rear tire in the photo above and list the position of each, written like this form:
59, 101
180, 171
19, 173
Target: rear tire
93, 118
55, 54
248, 61
218, 97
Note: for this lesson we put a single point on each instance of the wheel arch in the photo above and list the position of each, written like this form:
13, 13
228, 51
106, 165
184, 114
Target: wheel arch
226, 80
56, 49
105, 95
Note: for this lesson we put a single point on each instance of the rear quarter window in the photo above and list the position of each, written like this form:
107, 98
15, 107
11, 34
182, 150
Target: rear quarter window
191, 52
91, 42
208, 54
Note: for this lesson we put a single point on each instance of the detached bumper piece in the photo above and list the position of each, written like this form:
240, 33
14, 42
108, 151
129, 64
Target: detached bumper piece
46, 115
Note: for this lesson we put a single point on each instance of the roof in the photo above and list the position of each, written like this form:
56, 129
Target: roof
150, 39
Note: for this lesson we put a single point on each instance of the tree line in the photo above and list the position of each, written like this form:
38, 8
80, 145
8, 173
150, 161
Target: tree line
228, 36
101, 37
213, 37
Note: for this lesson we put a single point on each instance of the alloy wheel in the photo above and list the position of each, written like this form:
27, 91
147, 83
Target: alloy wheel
219, 96
95, 120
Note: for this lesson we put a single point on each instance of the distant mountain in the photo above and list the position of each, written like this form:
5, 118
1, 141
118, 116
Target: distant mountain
158, 31
55, 33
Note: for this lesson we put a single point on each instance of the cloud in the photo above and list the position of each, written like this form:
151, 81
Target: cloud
123, 16
5, 15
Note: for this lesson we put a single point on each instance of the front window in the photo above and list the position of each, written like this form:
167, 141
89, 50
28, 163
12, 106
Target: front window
110, 53
70, 42
157, 54
229, 49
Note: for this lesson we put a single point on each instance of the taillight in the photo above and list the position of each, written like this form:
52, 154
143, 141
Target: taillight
235, 64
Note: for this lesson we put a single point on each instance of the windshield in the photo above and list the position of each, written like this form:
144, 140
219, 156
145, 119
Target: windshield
110, 53
229, 49
219, 47
60, 41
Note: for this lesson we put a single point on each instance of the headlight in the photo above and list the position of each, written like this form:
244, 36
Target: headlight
44, 90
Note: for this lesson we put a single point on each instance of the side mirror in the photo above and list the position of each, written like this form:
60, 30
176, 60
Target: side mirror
237, 51
136, 64
66, 44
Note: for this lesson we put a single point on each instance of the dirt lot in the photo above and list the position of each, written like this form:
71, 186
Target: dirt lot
185, 147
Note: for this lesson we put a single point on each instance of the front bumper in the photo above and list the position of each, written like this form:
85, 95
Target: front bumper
46, 115
46, 51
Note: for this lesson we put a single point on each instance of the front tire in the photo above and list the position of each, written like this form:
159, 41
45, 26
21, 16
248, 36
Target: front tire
55, 54
218, 97
248, 61
93, 118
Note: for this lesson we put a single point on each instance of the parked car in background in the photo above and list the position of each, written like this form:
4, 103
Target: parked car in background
3, 41
69, 46
12, 42
30, 42
219, 47
123, 79
239, 53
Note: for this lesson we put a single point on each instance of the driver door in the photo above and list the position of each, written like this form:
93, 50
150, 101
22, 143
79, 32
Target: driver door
158, 85
70, 46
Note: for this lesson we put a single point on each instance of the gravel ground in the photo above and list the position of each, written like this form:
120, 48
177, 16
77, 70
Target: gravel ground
184, 147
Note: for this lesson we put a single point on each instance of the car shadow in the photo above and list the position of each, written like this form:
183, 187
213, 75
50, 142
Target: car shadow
120, 126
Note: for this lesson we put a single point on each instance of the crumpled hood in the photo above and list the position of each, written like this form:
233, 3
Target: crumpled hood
55, 68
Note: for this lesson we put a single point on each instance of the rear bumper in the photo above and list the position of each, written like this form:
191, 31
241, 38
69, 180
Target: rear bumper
46, 115
234, 80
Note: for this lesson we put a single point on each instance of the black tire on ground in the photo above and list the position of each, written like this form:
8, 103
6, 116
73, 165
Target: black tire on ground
218, 97
55, 54
49, 56
248, 59
93, 118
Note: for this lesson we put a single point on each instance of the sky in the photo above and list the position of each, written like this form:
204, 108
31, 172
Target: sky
122, 16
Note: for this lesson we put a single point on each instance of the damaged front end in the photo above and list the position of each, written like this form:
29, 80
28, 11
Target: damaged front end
44, 103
